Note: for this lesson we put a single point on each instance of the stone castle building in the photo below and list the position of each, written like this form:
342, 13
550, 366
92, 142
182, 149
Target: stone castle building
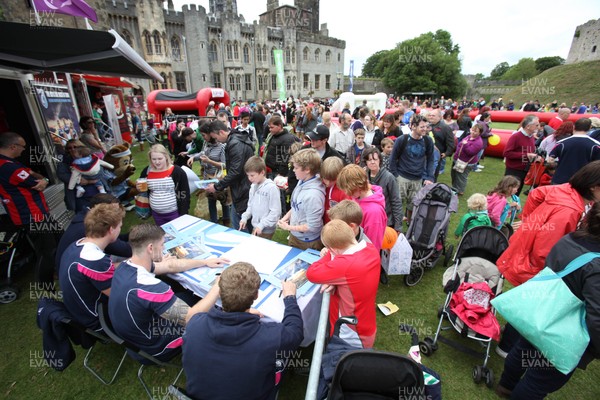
195, 48
586, 43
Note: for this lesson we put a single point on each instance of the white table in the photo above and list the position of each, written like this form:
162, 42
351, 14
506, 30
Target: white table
218, 240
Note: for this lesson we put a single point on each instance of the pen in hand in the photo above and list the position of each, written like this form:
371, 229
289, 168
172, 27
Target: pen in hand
281, 291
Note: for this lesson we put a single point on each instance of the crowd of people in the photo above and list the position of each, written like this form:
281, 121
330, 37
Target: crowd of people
334, 187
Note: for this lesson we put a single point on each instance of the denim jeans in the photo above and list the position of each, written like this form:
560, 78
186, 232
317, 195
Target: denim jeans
212, 210
528, 374
235, 221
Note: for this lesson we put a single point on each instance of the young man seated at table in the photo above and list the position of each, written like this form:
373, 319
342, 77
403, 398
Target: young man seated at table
230, 353
76, 230
85, 271
353, 269
143, 309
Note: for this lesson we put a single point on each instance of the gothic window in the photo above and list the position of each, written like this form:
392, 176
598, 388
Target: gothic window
213, 52
317, 55
127, 37
236, 50
176, 48
229, 51
328, 56
305, 54
157, 42
148, 42
246, 53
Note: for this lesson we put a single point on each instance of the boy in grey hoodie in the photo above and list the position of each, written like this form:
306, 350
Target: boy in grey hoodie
264, 205
305, 218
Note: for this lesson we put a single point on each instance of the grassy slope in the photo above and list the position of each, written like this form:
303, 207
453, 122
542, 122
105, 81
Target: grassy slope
566, 83
418, 307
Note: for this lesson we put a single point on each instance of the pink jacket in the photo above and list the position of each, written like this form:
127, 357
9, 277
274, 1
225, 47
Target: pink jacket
374, 216
496, 203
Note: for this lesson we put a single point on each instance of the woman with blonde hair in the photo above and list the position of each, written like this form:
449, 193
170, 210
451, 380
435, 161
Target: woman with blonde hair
168, 187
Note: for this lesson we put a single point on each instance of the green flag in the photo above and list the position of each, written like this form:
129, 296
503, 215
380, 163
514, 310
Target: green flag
278, 54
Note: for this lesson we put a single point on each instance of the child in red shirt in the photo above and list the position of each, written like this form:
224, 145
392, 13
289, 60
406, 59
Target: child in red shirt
353, 268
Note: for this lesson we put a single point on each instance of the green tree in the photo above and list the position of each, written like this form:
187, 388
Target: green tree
429, 62
373, 67
544, 63
499, 70
524, 69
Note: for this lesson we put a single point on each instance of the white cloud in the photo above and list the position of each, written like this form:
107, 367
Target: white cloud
487, 33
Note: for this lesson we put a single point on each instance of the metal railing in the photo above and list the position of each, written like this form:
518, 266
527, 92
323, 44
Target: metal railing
315, 366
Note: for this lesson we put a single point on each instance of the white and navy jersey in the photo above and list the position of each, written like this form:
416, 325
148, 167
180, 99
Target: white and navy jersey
85, 271
162, 191
137, 301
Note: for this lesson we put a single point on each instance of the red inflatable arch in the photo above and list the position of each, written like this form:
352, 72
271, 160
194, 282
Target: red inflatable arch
517, 116
184, 103
498, 150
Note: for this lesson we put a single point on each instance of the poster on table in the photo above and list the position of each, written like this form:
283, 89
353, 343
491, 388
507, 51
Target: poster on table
58, 110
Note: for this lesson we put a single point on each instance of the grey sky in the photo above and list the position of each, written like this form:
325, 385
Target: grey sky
488, 33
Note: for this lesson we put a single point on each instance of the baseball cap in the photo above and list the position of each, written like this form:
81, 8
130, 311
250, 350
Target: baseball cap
319, 133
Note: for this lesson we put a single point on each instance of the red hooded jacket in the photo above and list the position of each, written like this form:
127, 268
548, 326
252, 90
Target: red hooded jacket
549, 213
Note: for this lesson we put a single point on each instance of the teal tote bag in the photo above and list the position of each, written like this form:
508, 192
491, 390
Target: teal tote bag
549, 315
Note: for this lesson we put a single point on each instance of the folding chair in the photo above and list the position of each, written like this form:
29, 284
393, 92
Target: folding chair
151, 360
178, 393
89, 338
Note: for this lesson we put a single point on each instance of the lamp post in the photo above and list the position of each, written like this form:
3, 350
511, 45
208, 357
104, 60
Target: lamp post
339, 77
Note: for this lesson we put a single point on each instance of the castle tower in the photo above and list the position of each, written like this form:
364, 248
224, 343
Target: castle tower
272, 4
586, 43
312, 6
223, 7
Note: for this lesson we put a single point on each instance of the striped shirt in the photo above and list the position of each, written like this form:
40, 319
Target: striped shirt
215, 152
22, 203
162, 191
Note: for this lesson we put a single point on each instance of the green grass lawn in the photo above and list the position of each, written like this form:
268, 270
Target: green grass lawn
23, 375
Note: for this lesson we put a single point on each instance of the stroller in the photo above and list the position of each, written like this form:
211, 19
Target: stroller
17, 251
370, 374
427, 231
474, 263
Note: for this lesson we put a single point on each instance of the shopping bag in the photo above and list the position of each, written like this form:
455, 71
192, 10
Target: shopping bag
142, 205
399, 259
549, 315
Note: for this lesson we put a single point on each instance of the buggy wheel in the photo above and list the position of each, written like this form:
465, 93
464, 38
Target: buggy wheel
433, 345
477, 373
414, 276
448, 255
8, 294
425, 348
489, 378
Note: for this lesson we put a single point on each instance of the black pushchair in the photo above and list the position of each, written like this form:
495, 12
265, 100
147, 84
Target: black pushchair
369, 374
474, 262
17, 250
433, 206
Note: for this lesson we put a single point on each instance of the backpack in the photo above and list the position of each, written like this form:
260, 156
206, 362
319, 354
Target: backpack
428, 145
